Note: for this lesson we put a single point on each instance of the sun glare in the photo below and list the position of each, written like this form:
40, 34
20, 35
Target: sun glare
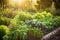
21, 3
16, 2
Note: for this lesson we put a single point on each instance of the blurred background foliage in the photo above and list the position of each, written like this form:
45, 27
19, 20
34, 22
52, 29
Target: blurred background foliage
33, 5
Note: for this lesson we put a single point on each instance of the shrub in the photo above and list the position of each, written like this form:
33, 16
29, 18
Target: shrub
3, 31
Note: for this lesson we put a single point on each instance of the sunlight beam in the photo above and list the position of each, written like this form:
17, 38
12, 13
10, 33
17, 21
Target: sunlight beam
16, 2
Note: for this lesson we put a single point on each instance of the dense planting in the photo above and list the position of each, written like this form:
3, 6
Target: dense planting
26, 25
3, 31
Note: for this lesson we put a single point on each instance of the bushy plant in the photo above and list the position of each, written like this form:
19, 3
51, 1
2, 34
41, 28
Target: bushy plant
50, 23
3, 31
47, 20
22, 32
4, 21
42, 15
56, 21
53, 23
20, 18
23, 16
19, 33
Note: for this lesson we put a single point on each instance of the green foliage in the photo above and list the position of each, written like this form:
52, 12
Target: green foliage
42, 15
56, 21
47, 20
20, 18
50, 23
36, 33
3, 31
53, 23
44, 18
21, 33
23, 16
25, 25
4, 21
